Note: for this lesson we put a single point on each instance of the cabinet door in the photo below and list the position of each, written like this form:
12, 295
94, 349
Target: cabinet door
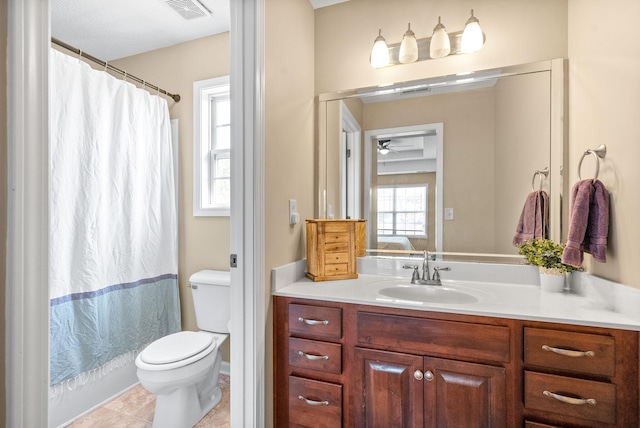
459, 394
386, 393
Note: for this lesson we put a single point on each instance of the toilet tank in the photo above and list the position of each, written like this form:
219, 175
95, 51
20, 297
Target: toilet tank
211, 299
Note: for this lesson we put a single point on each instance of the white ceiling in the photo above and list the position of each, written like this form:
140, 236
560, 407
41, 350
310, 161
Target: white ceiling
112, 29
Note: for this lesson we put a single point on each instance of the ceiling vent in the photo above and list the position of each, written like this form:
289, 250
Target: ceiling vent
189, 9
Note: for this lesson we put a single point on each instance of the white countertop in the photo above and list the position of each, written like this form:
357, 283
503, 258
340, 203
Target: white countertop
599, 303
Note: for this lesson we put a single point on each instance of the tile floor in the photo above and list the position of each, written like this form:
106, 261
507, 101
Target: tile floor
134, 409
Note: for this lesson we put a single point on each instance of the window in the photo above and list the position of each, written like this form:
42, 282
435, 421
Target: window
211, 147
402, 210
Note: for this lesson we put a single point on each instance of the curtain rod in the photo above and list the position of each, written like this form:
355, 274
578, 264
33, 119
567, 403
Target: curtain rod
108, 66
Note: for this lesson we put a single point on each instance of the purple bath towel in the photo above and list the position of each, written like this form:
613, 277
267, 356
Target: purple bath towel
588, 223
534, 220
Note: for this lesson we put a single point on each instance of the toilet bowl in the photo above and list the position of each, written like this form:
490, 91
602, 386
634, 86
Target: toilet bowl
182, 369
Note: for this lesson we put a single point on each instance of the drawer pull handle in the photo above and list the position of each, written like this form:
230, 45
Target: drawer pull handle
313, 357
313, 322
313, 402
568, 352
570, 400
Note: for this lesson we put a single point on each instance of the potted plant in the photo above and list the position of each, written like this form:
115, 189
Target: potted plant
547, 255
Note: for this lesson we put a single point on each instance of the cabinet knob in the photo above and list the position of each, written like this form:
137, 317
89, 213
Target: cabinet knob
428, 375
417, 375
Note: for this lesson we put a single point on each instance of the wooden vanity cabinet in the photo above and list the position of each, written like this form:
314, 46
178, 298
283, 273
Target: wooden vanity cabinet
388, 367
412, 380
308, 364
395, 389
580, 376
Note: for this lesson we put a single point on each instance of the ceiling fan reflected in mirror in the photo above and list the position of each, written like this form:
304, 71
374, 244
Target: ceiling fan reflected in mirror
383, 147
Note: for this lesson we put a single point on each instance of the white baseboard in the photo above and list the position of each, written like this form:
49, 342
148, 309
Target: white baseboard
225, 368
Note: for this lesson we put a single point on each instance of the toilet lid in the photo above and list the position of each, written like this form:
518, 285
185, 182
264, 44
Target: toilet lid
176, 347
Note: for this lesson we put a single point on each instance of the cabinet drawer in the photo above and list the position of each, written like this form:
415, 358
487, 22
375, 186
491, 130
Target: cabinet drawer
578, 352
336, 227
538, 388
450, 338
314, 404
311, 354
315, 321
333, 258
336, 269
336, 238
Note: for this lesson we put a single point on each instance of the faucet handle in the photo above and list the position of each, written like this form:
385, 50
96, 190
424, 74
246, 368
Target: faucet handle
415, 276
436, 272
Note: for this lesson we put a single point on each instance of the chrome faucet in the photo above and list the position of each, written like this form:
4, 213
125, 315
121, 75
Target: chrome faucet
426, 278
425, 266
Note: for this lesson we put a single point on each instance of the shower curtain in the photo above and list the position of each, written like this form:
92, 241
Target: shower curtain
113, 219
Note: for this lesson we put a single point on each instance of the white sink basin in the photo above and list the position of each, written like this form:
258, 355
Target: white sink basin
444, 294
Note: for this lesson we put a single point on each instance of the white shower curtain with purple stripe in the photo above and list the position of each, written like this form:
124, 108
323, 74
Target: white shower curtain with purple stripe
113, 219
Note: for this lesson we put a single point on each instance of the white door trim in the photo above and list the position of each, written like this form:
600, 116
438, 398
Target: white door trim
27, 298
350, 167
248, 297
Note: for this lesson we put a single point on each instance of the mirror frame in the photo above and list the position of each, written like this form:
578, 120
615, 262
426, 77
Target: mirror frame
558, 207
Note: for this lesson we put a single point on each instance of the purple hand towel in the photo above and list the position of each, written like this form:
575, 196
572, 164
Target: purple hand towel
588, 223
534, 220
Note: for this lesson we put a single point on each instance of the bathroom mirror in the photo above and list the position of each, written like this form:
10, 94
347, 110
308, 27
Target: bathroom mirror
445, 164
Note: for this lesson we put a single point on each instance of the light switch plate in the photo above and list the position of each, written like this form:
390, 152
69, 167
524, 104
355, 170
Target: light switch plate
294, 217
448, 213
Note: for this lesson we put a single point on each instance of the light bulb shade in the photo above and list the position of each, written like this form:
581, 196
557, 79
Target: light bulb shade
408, 48
472, 37
440, 45
380, 52
383, 151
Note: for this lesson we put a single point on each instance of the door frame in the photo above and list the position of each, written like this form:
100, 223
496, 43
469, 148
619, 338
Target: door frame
27, 298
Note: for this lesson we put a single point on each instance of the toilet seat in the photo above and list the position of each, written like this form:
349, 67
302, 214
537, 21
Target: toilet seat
177, 350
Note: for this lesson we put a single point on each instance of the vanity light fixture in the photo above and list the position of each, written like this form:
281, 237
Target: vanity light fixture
380, 52
440, 45
472, 37
408, 47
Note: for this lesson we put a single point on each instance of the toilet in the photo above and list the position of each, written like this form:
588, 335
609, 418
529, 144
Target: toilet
182, 369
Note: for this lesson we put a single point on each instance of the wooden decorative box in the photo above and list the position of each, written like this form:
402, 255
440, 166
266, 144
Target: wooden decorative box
332, 248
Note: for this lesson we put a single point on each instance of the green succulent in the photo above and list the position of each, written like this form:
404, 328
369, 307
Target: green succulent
544, 253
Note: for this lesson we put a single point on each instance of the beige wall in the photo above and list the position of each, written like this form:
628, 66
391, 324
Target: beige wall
517, 32
203, 241
468, 122
3, 200
604, 107
522, 146
289, 116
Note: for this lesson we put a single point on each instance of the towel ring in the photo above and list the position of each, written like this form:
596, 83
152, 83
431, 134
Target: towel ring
598, 154
539, 173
